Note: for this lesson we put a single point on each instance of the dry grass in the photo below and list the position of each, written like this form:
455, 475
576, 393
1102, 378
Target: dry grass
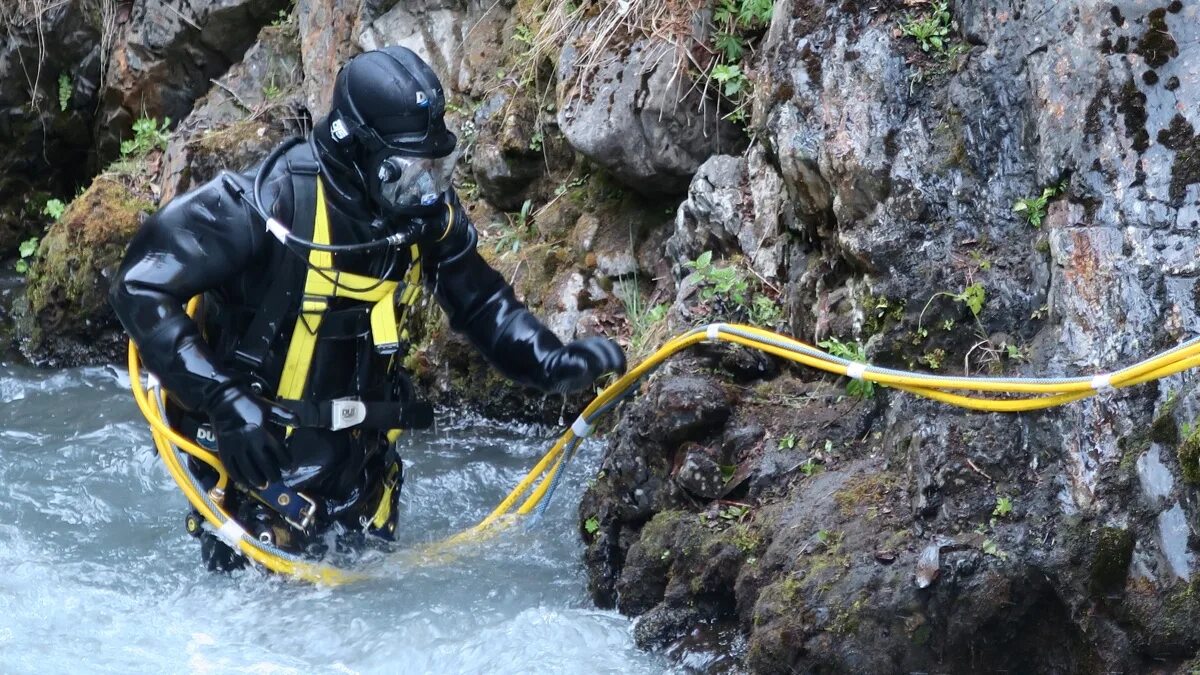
598, 29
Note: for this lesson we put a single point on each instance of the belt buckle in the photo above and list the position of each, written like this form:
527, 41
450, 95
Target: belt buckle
346, 412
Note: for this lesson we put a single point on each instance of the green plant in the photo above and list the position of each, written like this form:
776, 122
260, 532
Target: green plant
519, 226
811, 467
282, 18
731, 79
733, 512
1034, 208
523, 34
764, 311
54, 208
719, 282
536, 141
973, 296
591, 525
864, 389
788, 441
147, 135
1004, 507
28, 251
271, 90
64, 91
932, 30
990, 548
643, 320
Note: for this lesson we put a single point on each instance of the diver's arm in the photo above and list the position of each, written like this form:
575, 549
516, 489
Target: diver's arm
193, 244
483, 306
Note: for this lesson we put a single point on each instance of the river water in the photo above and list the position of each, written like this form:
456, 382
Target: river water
98, 575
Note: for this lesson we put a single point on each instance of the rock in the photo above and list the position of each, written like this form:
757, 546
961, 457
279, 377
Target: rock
894, 175
700, 473
43, 50
688, 407
733, 203
163, 61
68, 320
503, 161
636, 116
462, 40
238, 122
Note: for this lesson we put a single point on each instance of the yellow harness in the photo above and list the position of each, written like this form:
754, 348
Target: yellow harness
388, 328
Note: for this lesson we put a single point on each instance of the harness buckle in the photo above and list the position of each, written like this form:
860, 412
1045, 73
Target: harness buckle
346, 412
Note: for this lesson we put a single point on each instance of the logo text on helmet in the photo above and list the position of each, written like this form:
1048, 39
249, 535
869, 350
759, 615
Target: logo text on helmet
422, 99
338, 130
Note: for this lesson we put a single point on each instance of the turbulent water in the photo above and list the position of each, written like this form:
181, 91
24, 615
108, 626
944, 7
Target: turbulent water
97, 573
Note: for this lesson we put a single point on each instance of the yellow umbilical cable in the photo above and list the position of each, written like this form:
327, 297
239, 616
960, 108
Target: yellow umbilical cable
539, 480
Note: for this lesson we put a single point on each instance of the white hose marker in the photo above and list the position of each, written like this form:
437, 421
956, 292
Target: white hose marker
856, 370
277, 228
581, 428
712, 333
1102, 382
152, 382
232, 533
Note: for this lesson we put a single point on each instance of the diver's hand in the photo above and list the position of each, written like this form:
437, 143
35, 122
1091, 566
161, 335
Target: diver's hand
251, 454
577, 365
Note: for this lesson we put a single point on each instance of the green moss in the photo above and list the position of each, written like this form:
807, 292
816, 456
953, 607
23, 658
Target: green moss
866, 492
1110, 565
67, 286
1189, 459
847, 620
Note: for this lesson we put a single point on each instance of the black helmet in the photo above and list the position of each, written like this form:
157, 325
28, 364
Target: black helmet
386, 121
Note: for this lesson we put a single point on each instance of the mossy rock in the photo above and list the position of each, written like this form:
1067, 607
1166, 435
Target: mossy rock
67, 292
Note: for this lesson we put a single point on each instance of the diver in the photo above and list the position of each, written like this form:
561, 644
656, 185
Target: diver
308, 266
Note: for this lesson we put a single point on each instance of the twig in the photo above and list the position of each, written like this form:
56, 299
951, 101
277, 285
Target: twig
232, 93
181, 15
978, 470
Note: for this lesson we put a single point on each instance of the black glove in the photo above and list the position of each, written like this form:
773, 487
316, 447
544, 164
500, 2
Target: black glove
251, 454
575, 366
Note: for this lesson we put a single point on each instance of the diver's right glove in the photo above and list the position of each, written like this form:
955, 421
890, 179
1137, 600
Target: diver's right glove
575, 366
251, 454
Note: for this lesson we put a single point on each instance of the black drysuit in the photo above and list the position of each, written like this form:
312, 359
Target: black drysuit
210, 242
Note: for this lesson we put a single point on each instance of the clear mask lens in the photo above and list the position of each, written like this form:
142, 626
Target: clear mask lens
407, 182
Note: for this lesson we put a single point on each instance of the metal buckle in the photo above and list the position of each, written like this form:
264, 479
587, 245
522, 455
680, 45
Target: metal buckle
308, 513
346, 412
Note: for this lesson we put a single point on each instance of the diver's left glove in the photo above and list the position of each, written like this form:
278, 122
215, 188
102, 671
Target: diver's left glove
251, 454
575, 366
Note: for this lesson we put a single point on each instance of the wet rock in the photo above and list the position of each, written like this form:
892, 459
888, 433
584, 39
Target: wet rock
42, 49
640, 118
687, 408
700, 473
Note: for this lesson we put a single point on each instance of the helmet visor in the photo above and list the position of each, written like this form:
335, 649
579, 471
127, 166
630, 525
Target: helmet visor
407, 182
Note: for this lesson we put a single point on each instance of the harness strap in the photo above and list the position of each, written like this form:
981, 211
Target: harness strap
253, 349
343, 413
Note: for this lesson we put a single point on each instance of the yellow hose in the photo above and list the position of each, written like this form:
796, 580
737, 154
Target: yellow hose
537, 483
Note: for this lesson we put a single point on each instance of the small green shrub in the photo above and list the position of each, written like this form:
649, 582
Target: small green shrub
28, 252
64, 91
147, 135
1034, 208
932, 30
55, 208
864, 389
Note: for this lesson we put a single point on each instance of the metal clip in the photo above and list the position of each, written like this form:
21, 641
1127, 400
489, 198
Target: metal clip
346, 412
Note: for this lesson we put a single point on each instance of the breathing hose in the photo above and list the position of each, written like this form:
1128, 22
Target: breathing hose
534, 491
